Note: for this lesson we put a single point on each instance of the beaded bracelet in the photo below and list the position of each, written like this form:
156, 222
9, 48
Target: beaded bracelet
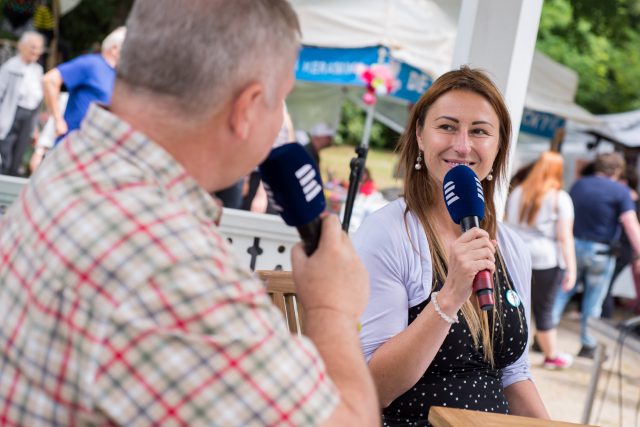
446, 318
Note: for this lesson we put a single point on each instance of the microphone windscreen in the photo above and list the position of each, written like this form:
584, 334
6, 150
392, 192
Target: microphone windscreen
293, 184
463, 194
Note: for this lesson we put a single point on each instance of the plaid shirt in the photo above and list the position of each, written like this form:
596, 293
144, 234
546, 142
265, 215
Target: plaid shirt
121, 304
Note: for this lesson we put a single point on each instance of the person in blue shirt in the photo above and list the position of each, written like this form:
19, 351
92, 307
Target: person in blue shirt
601, 204
88, 78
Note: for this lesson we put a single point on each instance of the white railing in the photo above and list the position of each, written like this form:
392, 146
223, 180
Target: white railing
259, 241
9, 189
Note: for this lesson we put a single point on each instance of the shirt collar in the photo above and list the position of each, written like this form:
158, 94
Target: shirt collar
104, 128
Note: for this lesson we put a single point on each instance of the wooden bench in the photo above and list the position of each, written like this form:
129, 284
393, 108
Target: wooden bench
282, 291
449, 417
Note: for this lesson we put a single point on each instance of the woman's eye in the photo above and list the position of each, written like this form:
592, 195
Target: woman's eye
480, 132
447, 127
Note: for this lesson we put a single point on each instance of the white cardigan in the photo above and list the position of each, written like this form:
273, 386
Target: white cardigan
400, 275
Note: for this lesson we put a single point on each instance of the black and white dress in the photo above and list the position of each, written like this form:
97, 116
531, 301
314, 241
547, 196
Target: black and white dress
459, 376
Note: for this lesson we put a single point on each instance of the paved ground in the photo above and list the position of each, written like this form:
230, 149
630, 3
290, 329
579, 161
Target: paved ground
565, 392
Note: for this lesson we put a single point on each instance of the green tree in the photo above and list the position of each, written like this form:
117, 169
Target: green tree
91, 21
600, 41
351, 129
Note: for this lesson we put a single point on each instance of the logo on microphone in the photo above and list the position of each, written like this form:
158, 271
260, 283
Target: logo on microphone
479, 188
449, 193
451, 197
306, 177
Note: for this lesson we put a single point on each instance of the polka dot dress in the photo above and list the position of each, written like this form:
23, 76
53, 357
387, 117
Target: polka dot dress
459, 376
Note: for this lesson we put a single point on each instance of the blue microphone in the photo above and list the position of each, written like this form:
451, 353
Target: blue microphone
464, 198
294, 187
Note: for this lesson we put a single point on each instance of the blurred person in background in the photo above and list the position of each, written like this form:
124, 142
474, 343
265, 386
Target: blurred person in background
20, 99
603, 205
367, 201
321, 136
542, 214
88, 78
624, 251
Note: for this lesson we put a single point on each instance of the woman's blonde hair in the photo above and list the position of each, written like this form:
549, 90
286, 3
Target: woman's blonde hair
421, 190
545, 176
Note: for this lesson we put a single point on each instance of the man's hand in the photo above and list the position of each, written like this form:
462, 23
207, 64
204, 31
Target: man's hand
61, 127
333, 278
333, 287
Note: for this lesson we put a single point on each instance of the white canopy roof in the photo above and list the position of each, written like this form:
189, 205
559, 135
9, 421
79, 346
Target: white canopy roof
621, 127
552, 89
418, 32
422, 33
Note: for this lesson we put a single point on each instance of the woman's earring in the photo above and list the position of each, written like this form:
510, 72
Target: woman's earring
418, 165
490, 176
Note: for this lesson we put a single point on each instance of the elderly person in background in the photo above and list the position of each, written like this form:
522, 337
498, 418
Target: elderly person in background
20, 98
121, 301
89, 78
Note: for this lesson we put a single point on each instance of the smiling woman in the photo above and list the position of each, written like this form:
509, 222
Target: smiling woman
427, 342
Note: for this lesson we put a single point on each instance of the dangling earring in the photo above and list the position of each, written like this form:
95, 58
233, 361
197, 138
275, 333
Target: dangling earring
418, 165
490, 176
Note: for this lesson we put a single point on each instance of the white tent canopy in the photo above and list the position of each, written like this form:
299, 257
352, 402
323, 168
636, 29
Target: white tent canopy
623, 127
552, 89
421, 33
418, 32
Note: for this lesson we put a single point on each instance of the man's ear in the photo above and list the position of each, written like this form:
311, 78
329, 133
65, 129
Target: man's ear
244, 110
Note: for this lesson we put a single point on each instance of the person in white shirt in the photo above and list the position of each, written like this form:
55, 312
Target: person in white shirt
20, 99
542, 214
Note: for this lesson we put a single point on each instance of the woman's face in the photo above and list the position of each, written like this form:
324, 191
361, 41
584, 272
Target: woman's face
461, 127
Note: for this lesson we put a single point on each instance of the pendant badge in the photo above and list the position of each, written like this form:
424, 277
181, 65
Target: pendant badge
513, 298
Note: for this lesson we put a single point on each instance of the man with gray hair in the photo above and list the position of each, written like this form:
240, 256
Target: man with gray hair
20, 99
121, 302
88, 78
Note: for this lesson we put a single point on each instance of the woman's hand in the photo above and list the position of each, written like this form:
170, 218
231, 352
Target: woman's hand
470, 253
569, 280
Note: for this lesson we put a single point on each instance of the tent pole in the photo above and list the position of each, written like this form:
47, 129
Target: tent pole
52, 57
357, 167
368, 124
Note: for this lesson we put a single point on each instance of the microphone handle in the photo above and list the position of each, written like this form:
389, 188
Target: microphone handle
482, 283
310, 235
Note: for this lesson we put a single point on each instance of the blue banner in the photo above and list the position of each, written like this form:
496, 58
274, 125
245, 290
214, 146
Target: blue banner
338, 66
541, 124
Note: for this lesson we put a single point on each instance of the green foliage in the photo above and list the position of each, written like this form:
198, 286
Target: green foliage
91, 21
600, 41
351, 129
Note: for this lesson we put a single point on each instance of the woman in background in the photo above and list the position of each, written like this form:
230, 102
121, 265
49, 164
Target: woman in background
542, 213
